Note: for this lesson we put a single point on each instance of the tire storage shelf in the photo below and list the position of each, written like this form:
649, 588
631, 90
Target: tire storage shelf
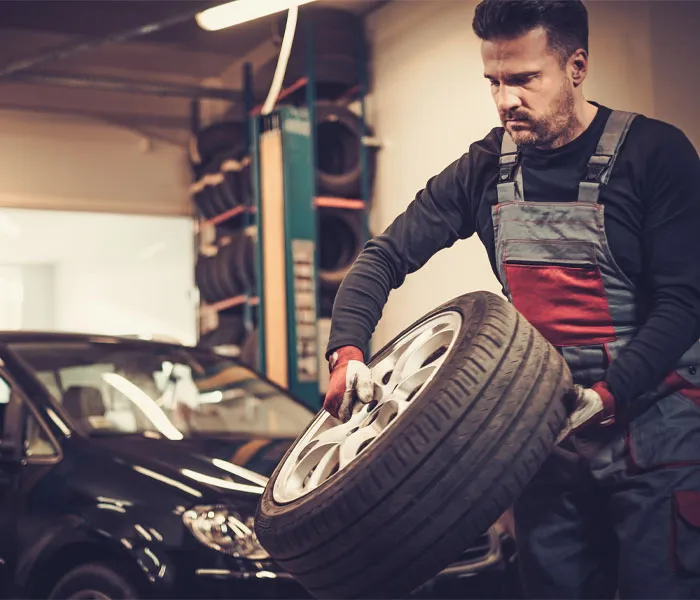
222, 198
326, 80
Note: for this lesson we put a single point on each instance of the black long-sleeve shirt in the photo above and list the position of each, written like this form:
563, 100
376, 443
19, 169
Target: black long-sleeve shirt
652, 221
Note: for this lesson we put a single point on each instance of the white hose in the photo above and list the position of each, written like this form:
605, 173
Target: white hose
282, 61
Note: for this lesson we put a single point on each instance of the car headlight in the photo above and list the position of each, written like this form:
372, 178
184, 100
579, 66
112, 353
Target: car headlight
224, 530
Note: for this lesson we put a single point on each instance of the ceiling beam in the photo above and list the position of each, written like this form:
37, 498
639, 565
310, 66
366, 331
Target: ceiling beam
114, 84
22, 65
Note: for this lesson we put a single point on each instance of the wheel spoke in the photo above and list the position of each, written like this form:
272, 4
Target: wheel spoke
356, 442
411, 386
304, 469
329, 446
402, 361
431, 349
332, 435
324, 469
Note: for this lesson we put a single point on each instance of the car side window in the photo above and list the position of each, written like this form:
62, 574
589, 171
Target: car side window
37, 443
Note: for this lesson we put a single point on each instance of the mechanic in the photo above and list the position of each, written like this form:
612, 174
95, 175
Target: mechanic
591, 221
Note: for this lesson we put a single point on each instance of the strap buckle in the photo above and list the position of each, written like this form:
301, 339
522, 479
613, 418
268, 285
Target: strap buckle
597, 165
506, 167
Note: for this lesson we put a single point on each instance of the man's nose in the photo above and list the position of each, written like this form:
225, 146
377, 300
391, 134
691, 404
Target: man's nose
507, 99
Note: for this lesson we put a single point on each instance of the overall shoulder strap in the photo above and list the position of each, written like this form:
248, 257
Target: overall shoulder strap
510, 178
601, 163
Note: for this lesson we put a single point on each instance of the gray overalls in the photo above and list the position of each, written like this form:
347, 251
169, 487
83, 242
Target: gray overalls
615, 508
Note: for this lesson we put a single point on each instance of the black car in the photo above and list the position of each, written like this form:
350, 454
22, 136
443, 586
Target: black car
132, 468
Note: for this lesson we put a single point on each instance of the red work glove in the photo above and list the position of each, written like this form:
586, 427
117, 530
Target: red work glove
592, 406
350, 380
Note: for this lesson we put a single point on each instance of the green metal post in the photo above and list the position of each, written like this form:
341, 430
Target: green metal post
256, 124
248, 217
300, 251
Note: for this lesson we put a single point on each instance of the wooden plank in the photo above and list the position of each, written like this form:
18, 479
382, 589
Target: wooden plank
273, 250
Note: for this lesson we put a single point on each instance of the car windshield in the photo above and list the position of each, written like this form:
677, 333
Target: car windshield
174, 392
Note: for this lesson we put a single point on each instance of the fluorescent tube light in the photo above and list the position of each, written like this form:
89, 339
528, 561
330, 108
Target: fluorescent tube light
241, 11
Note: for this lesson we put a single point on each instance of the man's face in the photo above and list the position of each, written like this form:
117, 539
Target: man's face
532, 91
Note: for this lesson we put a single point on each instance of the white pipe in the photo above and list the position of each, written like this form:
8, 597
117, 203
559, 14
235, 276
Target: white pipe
242, 11
282, 61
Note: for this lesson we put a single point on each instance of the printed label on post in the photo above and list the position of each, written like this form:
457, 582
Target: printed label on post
303, 256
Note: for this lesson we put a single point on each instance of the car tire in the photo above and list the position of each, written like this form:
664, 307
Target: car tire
214, 139
334, 31
226, 268
339, 46
414, 497
338, 137
340, 243
334, 75
104, 579
206, 280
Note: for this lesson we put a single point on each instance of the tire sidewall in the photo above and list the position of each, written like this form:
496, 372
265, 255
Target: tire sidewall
332, 278
348, 182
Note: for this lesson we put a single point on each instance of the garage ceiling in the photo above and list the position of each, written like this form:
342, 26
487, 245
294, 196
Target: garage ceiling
181, 54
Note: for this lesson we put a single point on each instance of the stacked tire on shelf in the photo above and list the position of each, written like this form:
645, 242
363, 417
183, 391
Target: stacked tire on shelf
222, 192
221, 170
230, 271
337, 55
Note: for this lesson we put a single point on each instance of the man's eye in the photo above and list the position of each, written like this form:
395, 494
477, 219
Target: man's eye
493, 83
522, 80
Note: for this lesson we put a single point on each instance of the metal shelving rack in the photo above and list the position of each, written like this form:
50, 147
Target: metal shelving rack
297, 127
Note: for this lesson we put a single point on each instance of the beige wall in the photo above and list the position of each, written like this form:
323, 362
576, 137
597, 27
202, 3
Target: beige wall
430, 101
65, 163
675, 63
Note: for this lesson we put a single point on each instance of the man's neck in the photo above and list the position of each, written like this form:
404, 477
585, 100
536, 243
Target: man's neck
582, 117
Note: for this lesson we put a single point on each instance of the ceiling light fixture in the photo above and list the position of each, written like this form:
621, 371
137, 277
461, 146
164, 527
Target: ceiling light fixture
242, 11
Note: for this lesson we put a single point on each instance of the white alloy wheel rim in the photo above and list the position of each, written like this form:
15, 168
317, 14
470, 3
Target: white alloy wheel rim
329, 446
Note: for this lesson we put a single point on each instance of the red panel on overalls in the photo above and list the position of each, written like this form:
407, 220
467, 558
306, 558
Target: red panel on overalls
566, 304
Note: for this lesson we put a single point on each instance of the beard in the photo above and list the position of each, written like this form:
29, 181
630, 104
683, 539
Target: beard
551, 130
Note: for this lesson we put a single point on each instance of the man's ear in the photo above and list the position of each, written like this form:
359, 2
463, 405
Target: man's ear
578, 67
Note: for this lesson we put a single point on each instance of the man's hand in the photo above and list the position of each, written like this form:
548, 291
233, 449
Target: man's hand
591, 406
350, 380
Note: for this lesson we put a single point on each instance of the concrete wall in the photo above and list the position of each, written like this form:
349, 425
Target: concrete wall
430, 101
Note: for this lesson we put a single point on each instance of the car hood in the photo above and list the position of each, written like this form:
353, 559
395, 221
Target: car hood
210, 465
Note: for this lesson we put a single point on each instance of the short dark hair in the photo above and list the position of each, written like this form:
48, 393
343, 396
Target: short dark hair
565, 21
